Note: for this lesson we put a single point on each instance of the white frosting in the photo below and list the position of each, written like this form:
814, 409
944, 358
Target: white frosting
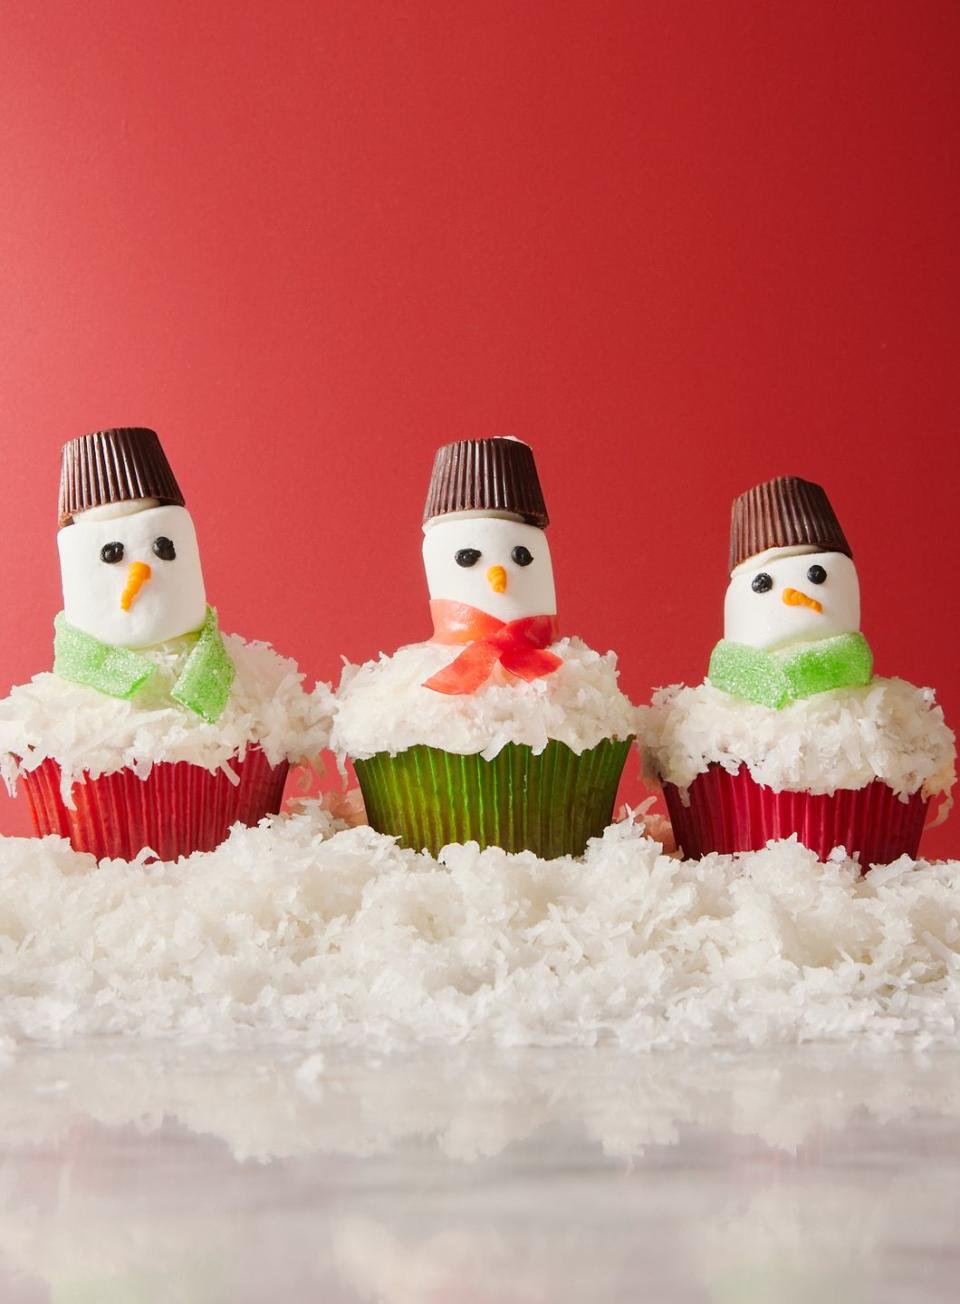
382, 706
83, 729
110, 511
887, 730
495, 582
784, 614
756, 562
171, 602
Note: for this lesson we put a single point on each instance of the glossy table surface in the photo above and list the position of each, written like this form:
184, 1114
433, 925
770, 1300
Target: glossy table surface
133, 1175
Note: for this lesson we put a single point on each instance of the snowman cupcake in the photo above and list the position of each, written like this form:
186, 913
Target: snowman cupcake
496, 730
154, 730
792, 733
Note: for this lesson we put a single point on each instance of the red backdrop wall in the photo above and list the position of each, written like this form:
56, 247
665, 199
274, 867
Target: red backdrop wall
678, 246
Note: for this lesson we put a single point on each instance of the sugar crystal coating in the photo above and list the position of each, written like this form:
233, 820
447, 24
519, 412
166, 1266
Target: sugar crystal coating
775, 678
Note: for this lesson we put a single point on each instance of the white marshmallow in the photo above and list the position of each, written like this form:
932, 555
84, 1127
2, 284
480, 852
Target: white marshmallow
529, 589
765, 620
170, 603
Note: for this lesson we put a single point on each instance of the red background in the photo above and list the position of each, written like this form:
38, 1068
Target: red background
677, 246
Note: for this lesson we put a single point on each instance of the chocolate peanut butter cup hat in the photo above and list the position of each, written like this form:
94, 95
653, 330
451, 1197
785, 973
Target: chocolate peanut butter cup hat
486, 475
784, 513
114, 466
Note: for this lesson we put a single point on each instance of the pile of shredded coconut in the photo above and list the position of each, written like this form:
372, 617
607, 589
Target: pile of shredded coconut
846, 738
84, 730
302, 932
382, 705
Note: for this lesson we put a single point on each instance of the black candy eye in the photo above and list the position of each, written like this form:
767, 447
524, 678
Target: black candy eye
522, 556
762, 583
111, 553
164, 549
467, 556
816, 574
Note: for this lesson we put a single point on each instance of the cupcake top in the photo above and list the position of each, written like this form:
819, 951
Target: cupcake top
843, 738
84, 729
792, 607
141, 671
790, 691
487, 563
496, 670
129, 555
131, 575
385, 706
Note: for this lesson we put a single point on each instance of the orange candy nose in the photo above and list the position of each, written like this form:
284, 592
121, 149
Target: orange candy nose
497, 579
138, 572
794, 598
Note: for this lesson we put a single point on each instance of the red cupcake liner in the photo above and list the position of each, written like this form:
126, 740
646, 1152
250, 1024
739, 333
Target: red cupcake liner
177, 809
732, 812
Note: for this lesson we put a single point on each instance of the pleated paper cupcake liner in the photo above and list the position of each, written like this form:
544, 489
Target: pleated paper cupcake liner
177, 809
551, 803
732, 812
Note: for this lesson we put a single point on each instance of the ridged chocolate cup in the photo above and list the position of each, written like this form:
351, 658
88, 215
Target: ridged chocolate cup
486, 475
550, 804
784, 513
114, 466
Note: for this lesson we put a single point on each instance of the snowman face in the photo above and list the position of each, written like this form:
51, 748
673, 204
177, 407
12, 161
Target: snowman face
781, 598
134, 580
500, 566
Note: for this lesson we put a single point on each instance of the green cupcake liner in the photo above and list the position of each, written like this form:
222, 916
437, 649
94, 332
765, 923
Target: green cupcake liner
550, 803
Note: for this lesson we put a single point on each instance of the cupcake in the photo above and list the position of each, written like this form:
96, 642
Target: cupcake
496, 730
154, 730
792, 733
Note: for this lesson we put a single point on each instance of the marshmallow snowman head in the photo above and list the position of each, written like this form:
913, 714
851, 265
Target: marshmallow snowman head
128, 549
792, 574
132, 579
782, 597
484, 543
498, 564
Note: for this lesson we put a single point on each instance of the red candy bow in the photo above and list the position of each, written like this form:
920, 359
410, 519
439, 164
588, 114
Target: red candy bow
517, 645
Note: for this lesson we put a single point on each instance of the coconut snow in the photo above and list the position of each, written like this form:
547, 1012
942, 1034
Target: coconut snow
303, 932
845, 738
84, 730
382, 705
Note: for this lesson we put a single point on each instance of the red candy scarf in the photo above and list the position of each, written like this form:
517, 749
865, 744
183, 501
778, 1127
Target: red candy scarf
517, 645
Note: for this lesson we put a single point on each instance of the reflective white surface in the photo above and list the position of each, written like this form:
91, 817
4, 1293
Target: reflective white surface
139, 1175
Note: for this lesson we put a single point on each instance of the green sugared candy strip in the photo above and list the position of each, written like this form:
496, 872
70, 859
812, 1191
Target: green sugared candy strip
774, 679
841, 662
116, 671
749, 673
203, 685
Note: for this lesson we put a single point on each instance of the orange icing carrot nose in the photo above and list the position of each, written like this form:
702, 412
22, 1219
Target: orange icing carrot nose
138, 573
497, 579
794, 598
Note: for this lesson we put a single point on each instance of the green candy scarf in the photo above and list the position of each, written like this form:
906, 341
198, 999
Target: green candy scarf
776, 679
203, 685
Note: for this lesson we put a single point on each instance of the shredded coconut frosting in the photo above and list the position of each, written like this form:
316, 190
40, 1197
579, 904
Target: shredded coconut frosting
382, 706
887, 730
84, 730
